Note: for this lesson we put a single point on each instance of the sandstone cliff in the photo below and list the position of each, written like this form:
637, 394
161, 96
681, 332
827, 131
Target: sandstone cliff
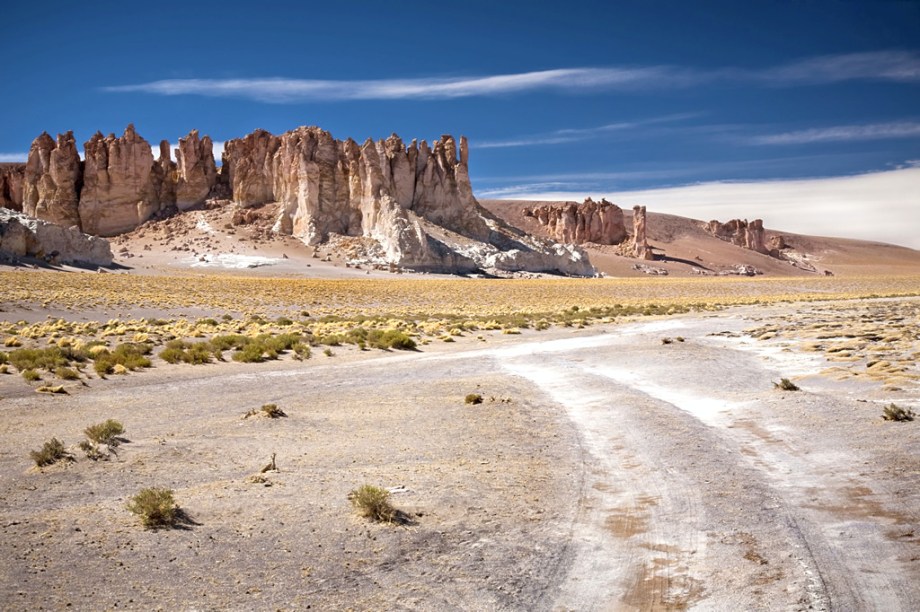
12, 177
52, 179
741, 233
568, 222
120, 185
24, 236
415, 201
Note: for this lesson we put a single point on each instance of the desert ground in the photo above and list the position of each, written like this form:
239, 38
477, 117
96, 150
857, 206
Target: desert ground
631, 452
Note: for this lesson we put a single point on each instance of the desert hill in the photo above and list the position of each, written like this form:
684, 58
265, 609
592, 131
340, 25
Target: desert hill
683, 247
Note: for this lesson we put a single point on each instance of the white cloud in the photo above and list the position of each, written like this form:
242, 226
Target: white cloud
881, 206
843, 133
898, 66
13, 157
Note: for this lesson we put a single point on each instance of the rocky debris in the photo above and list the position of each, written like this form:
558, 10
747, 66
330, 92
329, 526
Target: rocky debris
568, 222
741, 270
652, 270
24, 236
197, 172
641, 248
741, 233
12, 177
51, 180
777, 243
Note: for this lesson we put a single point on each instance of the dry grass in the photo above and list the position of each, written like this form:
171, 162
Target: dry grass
373, 503
156, 508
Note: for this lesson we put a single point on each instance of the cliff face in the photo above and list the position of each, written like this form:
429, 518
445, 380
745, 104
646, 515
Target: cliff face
11, 183
416, 201
121, 185
597, 222
52, 180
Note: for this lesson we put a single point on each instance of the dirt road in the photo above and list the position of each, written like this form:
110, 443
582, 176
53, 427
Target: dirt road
605, 470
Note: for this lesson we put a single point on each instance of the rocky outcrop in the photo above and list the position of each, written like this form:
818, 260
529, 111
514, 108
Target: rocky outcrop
741, 233
12, 177
568, 222
52, 180
640, 235
24, 236
415, 201
197, 172
248, 164
120, 187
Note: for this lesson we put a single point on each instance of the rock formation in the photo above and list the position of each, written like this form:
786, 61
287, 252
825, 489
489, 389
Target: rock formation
597, 222
197, 172
12, 177
640, 236
741, 233
409, 199
120, 187
23, 236
52, 180
248, 164
416, 202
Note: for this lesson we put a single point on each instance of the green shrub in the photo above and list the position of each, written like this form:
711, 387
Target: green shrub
893, 412
395, 339
229, 341
51, 451
251, 353
156, 507
106, 432
31, 375
473, 398
373, 503
786, 385
130, 355
66, 373
195, 353
301, 351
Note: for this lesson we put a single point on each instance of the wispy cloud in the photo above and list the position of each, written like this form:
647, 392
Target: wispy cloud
282, 90
843, 133
578, 134
899, 66
13, 157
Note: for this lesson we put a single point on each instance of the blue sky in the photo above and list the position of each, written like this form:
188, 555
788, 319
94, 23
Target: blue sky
573, 99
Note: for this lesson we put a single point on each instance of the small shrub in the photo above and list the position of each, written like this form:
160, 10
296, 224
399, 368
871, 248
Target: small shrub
106, 432
272, 411
373, 503
666, 341
67, 374
786, 385
31, 375
473, 398
156, 507
51, 452
301, 351
893, 412
328, 352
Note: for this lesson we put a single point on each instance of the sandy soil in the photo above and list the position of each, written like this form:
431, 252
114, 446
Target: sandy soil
605, 470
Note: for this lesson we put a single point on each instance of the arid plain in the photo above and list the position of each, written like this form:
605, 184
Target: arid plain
631, 451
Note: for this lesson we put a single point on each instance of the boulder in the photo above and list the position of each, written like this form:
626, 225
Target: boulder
24, 236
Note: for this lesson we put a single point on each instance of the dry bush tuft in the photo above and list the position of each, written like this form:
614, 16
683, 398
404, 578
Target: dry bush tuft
51, 452
786, 385
373, 503
156, 507
893, 412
